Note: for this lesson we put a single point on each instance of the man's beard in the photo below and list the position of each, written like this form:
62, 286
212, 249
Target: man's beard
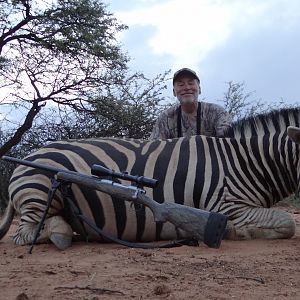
188, 101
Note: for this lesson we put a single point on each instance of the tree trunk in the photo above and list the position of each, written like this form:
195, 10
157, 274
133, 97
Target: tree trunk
22, 129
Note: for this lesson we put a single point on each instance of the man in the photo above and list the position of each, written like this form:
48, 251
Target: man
189, 116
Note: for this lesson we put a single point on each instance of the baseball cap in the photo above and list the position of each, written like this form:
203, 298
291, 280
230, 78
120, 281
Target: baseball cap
185, 71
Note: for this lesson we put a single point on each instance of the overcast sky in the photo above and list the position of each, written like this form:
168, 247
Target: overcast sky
251, 41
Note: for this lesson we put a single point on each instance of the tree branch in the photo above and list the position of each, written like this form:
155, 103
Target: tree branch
22, 129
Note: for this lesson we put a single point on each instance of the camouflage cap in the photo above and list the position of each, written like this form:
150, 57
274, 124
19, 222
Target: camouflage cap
185, 71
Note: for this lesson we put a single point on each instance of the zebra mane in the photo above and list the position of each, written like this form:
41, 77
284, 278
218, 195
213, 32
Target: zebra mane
265, 123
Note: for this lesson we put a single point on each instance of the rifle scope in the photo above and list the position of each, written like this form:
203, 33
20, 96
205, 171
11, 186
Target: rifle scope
139, 180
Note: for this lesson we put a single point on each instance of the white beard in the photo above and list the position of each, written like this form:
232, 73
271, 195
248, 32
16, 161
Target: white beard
188, 101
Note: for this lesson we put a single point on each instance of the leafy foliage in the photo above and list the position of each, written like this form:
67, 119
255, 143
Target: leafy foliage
126, 110
56, 52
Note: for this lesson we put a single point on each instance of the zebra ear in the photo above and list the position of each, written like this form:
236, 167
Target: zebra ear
294, 134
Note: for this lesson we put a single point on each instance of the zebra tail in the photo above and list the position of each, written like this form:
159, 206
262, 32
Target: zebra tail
7, 219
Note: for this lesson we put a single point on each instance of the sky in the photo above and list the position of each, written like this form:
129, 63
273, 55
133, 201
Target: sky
252, 41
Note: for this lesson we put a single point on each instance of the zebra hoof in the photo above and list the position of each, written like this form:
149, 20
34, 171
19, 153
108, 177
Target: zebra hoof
59, 232
61, 241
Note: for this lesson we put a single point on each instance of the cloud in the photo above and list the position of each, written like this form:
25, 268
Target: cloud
191, 31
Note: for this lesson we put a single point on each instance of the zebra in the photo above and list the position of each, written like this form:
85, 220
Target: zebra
241, 176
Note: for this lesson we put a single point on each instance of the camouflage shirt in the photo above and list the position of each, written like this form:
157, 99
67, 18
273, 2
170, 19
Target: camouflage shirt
214, 119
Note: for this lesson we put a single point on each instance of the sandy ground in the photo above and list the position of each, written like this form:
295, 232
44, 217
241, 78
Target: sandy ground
257, 269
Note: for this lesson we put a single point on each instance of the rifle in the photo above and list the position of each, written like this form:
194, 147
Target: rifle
199, 224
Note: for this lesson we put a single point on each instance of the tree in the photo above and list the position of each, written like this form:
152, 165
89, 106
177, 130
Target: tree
241, 104
59, 52
129, 109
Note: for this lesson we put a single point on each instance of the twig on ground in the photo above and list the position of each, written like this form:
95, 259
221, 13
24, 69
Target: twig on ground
260, 280
95, 290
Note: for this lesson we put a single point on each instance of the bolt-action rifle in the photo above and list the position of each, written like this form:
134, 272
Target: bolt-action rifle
198, 224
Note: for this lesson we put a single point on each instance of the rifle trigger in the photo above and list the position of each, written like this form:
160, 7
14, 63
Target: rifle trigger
135, 194
137, 191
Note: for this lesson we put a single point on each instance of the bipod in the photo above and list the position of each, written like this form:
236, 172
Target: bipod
55, 184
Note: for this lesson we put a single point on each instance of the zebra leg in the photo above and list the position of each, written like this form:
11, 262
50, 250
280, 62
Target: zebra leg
261, 223
55, 229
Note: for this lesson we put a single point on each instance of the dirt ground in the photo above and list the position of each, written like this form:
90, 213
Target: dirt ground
257, 269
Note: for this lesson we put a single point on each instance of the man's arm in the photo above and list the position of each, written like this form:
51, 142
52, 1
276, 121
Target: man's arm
161, 129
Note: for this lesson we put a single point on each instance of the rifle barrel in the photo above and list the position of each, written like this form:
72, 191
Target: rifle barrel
34, 165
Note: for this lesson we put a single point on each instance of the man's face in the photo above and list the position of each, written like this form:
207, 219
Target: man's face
187, 89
